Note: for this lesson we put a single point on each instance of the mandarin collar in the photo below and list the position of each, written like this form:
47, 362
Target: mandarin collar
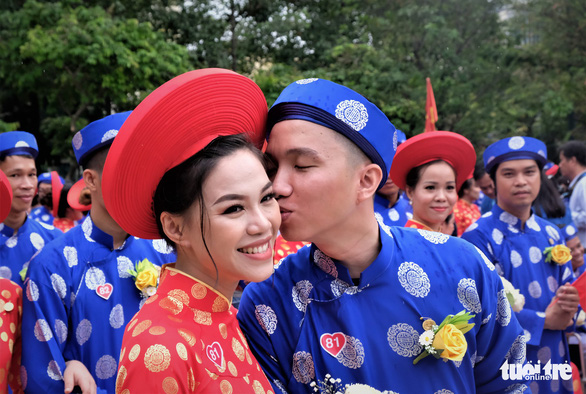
200, 291
335, 269
94, 234
513, 223
9, 231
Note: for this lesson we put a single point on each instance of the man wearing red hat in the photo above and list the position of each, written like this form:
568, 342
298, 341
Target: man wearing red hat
81, 291
20, 236
365, 303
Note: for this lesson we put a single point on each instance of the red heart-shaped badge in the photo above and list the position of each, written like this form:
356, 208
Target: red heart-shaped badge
105, 290
333, 343
215, 353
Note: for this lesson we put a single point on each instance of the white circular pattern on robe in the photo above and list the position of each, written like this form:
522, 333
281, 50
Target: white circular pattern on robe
72, 298
60, 331
339, 287
37, 241
516, 388
303, 369
503, 310
516, 259
70, 254
83, 332
570, 230
512, 229
86, 227
535, 289
552, 232
535, 254
434, 237
280, 385
404, 340
353, 113
489, 248
266, 317
562, 349
117, 316
540, 314
106, 367
32, 291
23, 376
53, 371
124, 264
532, 224
552, 283
527, 335
409, 215
382, 224
300, 293
508, 218
486, 319
5, 272
488, 263
516, 354
544, 355
568, 384
162, 246
395, 140
499, 269
77, 140
352, 354
94, 277
306, 81
473, 359
414, 279
59, 285
108, 135
325, 263
47, 226
516, 143
21, 144
497, 236
468, 295
473, 226
11, 242
444, 391
45, 217
43, 331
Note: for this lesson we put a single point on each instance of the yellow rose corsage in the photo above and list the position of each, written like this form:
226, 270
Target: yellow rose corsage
559, 254
146, 277
447, 340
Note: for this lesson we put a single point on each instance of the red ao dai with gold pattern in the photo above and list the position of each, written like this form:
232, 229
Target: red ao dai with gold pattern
186, 339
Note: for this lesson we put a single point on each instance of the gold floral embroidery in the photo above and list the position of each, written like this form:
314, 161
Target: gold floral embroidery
125, 391
238, 349
202, 317
211, 374
198, 358
232, 368
242, 338
157, 330
198, 291
220, 305
171, 304
122, 353
179, 295
175, 319
223, 330
226, 387
157, 358
151, 299
140, 327
257, 387
122, 373
248, 359
134, 352
131, 324
187, 335
181, 351
170, 385
191, 380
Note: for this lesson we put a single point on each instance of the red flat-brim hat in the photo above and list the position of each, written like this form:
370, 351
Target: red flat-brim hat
73, 196
5, 196
453, 148
173, 123
56, 187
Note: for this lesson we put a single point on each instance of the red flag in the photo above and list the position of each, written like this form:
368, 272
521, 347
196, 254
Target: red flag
580, 284
430, 108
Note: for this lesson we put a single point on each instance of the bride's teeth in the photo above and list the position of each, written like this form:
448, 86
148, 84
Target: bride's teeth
255, 250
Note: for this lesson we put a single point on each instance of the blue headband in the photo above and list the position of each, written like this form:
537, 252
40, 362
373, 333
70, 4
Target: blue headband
18, 143
515, 148
340, 109
96, 135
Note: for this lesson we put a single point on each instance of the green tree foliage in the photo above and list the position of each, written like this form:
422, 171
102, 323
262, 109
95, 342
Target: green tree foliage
78, 64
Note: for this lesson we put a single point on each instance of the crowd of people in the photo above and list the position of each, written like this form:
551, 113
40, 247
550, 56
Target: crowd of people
358, 253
